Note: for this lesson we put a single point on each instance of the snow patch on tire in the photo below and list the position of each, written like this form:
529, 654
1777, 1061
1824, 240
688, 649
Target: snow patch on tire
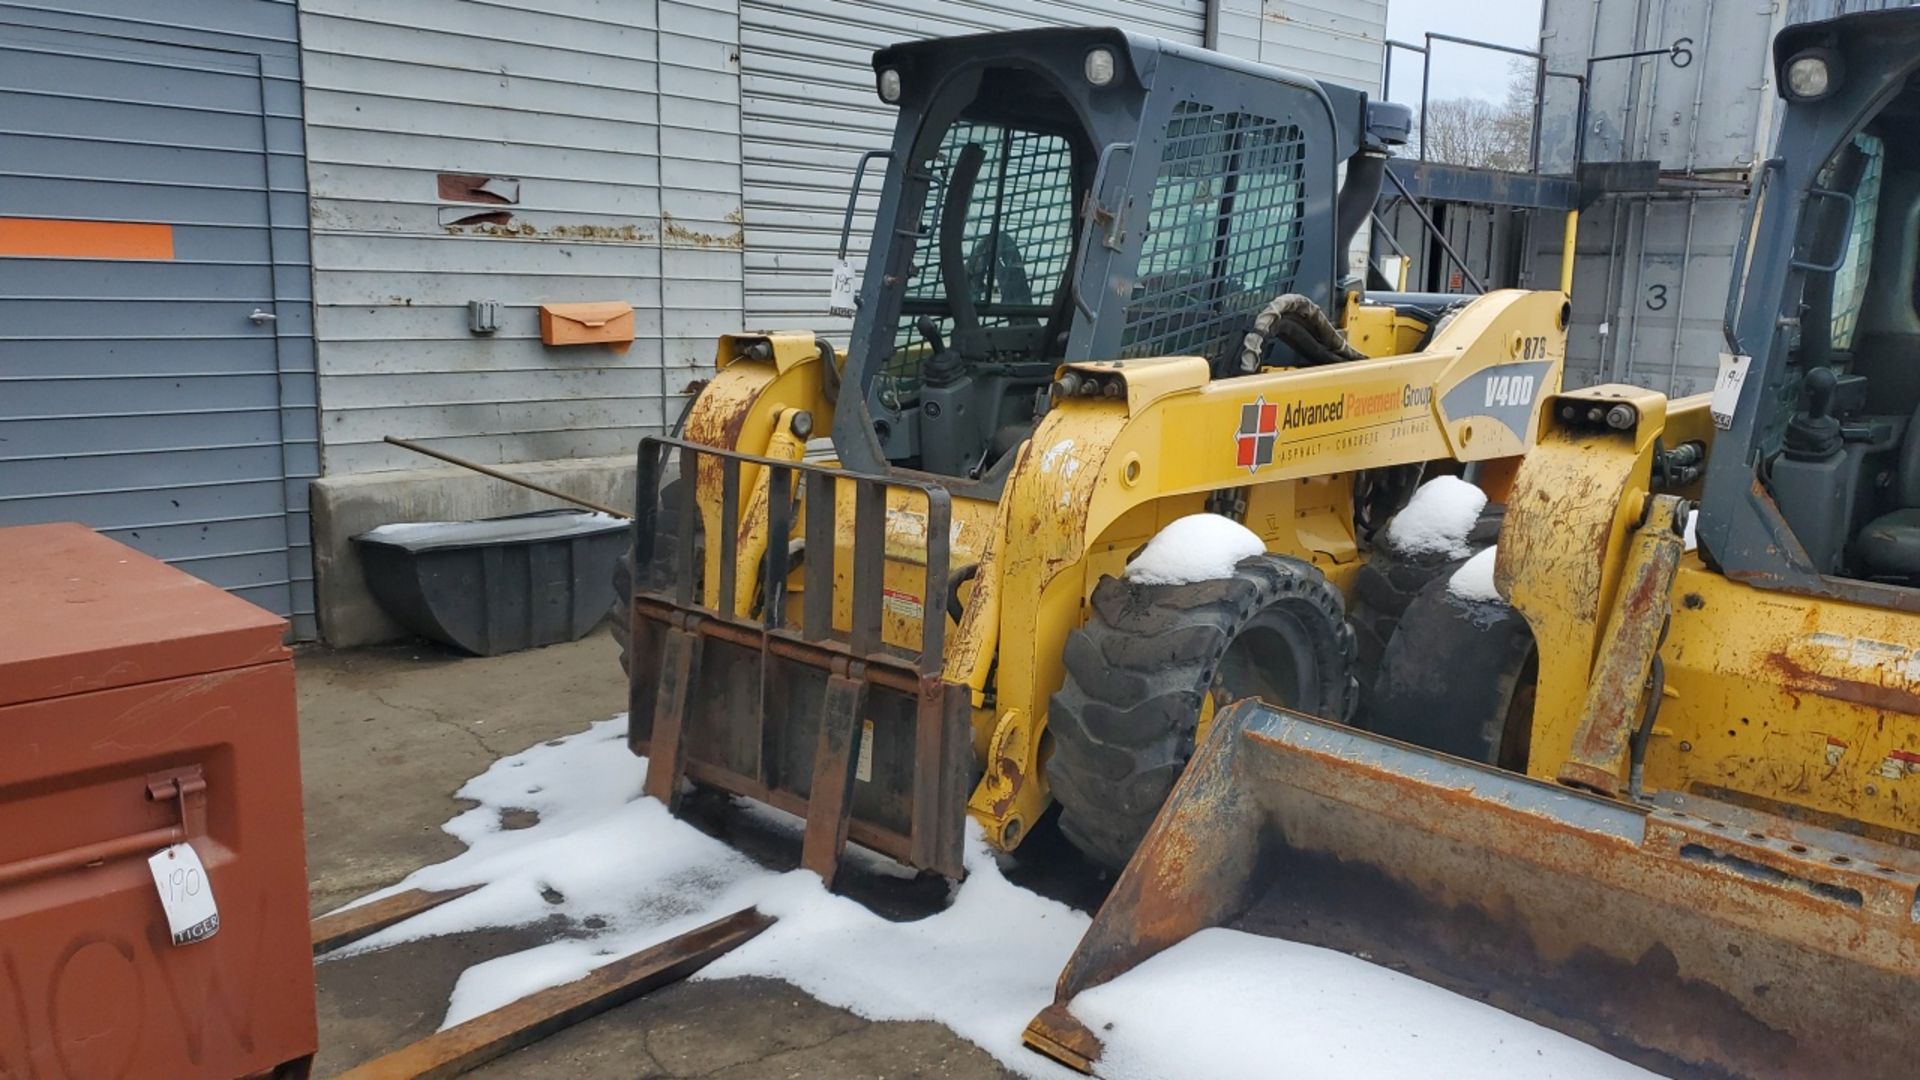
1474, 579
1198, 547
1437, 519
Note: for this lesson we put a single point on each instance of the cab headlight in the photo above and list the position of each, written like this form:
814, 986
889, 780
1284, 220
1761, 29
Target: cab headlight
1810, 76
1100, 67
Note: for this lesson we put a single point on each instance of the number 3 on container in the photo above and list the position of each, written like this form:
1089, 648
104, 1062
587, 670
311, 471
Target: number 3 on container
185, 893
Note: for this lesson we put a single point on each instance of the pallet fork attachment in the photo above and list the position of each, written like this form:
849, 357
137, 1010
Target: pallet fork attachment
742, 701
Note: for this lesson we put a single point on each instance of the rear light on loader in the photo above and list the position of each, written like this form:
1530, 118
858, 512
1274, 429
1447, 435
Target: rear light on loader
890, 86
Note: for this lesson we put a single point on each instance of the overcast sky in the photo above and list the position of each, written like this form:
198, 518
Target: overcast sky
1459, 71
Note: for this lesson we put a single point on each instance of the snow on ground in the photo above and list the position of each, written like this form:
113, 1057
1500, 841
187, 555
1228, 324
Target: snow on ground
1437, 519
667, 877
983, 966
628, 875
1198, 547
1474, 579
1257, 1008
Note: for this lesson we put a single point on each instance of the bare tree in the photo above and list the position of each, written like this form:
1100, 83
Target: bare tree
1480, 133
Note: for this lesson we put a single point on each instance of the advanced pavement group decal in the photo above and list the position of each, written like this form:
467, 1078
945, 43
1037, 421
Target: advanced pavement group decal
1262, 422
1259, 430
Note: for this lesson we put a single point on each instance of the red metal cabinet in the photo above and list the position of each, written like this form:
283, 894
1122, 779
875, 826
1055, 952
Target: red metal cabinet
140, 706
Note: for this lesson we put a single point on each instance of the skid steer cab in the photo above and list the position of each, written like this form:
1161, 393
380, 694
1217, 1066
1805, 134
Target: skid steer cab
1104, 290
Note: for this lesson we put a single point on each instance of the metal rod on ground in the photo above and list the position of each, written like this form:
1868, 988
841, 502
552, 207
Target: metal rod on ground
508, 477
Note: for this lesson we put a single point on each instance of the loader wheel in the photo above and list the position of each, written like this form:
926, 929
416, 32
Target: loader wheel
660, 571
1459, 677
1388, 582
1150, 656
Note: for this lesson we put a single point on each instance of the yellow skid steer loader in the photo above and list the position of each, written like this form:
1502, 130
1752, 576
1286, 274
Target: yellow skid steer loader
1703, 858
1106, 289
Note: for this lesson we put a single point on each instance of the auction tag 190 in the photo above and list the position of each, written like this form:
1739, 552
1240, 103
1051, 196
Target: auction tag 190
185, 893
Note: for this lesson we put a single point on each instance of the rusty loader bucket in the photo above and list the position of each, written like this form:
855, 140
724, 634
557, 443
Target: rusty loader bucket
1698, 939
788, 691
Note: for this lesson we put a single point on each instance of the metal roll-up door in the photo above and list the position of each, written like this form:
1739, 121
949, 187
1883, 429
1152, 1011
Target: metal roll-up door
808, 110
155, 354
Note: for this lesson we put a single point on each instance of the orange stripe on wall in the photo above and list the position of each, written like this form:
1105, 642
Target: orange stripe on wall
52, 238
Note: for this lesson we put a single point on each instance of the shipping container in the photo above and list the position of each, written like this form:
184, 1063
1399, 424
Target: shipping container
1652, 268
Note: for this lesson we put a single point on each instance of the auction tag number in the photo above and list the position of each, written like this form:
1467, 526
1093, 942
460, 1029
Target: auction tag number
840, 301
863, 763
1726, 389
185, 893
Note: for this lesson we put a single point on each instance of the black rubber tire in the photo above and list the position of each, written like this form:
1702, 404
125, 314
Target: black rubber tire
1458, 677
1123, 721
1388, 582
661, 569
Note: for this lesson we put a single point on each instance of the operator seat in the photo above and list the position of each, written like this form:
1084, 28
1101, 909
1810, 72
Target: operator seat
1889, 546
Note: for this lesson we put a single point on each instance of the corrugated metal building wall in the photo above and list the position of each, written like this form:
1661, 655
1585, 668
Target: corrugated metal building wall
607, 129
156, 359
650, 147
650, 144
809, 110
687, 157
1342, 41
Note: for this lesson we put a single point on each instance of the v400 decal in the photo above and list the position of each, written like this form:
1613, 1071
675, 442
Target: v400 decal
1505, 392
1510, 390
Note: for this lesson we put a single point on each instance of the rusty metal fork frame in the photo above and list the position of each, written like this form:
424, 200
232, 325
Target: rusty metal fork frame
856, 660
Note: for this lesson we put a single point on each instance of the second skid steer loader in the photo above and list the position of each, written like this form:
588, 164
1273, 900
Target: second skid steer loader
1706, 861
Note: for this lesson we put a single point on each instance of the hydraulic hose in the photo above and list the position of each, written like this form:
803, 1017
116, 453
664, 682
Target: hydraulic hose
1298, 322
1637, 746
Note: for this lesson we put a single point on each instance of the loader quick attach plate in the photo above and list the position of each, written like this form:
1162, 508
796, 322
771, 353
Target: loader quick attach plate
726, 693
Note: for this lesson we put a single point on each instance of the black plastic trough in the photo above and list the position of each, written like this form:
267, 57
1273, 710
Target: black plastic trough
500, 584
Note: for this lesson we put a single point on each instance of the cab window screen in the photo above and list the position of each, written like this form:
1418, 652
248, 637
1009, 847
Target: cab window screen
1018, 237
1850, 281
1223, 232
